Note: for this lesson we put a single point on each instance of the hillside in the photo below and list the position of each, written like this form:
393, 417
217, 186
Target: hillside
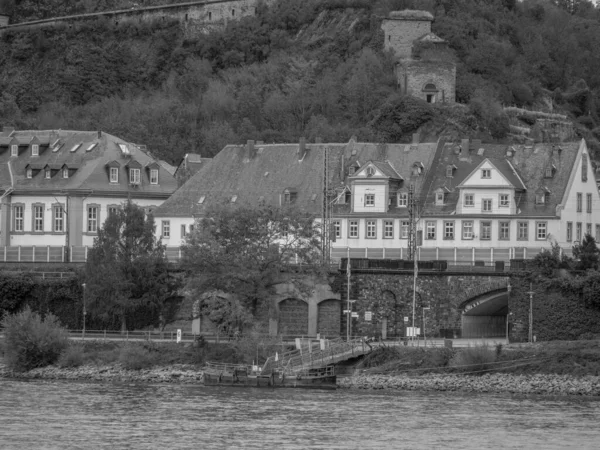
312, 68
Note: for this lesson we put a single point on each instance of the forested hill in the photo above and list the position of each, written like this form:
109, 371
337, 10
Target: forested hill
300, 67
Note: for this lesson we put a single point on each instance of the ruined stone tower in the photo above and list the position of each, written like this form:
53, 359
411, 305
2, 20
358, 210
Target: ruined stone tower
425, 67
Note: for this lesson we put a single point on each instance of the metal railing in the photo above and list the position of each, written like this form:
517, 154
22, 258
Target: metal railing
306, 358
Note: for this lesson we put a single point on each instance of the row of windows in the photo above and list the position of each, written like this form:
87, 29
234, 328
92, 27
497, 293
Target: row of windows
134, 175
579, 231
486, 203
58, 218
588, 203
449, 229
165, 229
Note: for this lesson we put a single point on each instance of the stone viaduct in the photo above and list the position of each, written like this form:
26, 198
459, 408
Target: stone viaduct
447, 304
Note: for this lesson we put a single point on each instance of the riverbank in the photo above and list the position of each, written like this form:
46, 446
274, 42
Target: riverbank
541, 384
502, 383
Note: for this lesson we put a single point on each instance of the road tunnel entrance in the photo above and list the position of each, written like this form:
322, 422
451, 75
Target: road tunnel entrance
485, 316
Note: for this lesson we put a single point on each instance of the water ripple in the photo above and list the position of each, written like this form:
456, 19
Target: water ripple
69, 415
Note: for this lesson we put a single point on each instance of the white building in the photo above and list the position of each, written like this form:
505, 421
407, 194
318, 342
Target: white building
58, 187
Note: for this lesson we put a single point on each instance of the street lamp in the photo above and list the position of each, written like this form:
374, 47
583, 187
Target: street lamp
84, 312
508, 313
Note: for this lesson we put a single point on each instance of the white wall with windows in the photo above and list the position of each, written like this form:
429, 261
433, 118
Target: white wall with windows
581, 213
370, 198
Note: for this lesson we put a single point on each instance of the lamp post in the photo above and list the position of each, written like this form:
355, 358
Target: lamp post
84, 312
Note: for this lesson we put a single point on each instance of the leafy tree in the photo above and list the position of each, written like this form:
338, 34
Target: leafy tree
32, 341
245, 252
586, 254
127, 267
547, 261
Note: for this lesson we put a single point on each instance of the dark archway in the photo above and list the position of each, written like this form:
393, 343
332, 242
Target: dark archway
329, 320
293, 317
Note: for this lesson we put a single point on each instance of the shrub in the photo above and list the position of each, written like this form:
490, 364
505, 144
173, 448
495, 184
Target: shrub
473, 359
72, 356
136, 357
31, 341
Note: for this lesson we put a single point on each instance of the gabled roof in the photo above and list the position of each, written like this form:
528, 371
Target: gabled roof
252, 175
384, 167
504, 167
523, 168
90, 172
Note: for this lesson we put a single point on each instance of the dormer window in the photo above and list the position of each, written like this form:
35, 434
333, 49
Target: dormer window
550, 170
75, 148
541, 196
370, 171
35, 150
417, 168
450, 170
289, 196
369, 199
47, 173
114, 174
351, 170
29, 172
403, 199
65, 172
439, 198
486, 173
134, 176
14, 150
153, 176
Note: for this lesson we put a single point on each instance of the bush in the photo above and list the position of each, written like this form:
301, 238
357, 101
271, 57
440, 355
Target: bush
473, 359
31, 341
72, 356
136, 357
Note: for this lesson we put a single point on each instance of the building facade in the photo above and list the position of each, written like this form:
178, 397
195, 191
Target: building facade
59, 186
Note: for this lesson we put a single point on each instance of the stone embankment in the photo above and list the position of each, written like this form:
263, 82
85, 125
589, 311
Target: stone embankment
114, 373
544, 384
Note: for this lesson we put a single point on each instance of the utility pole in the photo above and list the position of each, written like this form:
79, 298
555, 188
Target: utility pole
326, 214
508, 288
412, 249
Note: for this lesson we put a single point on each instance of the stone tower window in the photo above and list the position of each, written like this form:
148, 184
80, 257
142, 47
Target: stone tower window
430, 91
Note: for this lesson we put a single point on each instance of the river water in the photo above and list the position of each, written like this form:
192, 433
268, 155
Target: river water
72, 415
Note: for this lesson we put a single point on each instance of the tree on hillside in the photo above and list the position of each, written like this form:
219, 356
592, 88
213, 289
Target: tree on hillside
127, 268
586, 253
246, 252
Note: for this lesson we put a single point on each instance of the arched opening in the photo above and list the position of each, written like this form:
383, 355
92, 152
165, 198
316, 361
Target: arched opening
293, 317
485, 316
329, 319
430, 90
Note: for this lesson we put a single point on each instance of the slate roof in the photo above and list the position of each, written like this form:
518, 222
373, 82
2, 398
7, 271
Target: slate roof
524, 168
263, 175
91, 173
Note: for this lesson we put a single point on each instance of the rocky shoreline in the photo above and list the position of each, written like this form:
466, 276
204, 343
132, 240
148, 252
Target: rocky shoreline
541, 384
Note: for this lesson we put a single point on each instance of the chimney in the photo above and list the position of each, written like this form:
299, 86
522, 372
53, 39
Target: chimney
250, 150
302, 147
99, 134
416, 138
8, 130
464, 144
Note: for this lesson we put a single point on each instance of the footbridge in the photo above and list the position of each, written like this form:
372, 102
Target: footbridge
310, 357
